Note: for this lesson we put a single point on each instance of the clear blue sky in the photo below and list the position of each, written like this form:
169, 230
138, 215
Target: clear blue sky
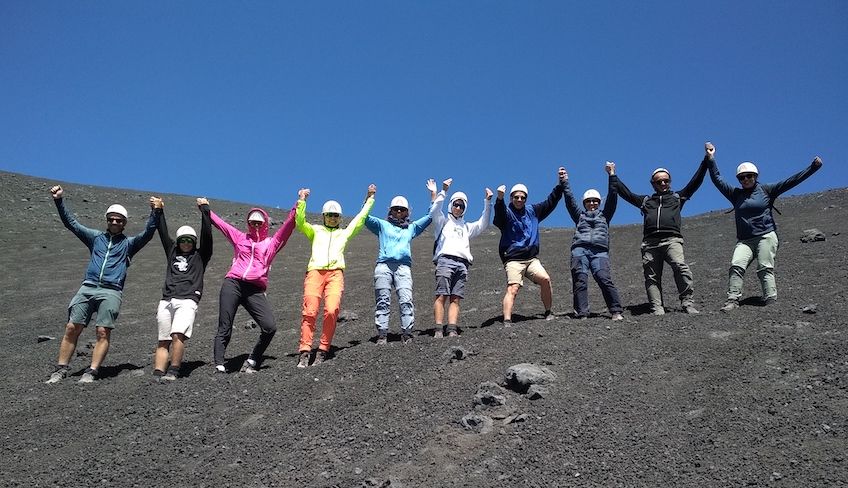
251, 100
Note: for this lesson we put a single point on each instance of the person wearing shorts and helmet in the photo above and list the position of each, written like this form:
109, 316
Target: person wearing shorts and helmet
590, 246
101, 292
756, 229
186, 261
452, 252
325, 270
519, 244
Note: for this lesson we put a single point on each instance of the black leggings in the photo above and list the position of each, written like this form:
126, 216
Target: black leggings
234, 293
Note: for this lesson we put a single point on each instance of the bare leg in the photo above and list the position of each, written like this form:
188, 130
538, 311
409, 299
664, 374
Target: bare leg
453, 310
101, 347
509, 300
160, 357
69, 342
439, 310
545, 290
177, 349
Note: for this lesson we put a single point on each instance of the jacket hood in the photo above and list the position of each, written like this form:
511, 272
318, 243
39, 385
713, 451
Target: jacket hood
458, 196
262, 232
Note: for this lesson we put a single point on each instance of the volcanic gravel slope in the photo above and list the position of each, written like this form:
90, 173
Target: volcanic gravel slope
755, 397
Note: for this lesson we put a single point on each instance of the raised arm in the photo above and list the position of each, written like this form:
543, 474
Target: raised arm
162, 227
83, 233
546, 207
612, 192
231, 233
721, 185
783, 186
438, 200
284, 232
205, 248
634, 199
358, 220
300, 215
141, 239
696, 180
477, 228
499, 220
570, 202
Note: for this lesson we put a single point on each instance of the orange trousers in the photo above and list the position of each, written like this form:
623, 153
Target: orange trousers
330, 285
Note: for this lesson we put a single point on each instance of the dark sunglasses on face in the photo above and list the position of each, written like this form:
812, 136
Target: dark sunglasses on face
115, 220
184, 240
663, 181
332, 215
520, 198
746, 176
255, 223
593, 200
459, 205
399, 209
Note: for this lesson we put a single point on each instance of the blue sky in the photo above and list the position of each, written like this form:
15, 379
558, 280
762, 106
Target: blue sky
250, 101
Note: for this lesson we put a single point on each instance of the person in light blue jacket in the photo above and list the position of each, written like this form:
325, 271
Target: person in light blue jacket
394, 266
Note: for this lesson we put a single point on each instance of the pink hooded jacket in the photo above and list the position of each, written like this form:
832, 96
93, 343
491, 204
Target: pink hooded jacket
253, 251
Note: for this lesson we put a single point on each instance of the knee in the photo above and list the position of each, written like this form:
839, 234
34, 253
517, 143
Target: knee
103, 333
512, 290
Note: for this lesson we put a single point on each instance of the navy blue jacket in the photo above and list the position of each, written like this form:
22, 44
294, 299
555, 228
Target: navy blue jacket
592, 227
752, 208
520, 228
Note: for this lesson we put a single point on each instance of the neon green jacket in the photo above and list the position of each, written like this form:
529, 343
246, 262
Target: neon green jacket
328, 244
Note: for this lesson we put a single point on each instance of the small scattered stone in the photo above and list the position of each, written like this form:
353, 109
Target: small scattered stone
481, 424
251, 324
43, 338
813, 235
347, 316
536, 392
809, 308
520, 376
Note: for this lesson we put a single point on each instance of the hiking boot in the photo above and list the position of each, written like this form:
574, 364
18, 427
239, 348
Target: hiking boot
549, 315
406, 338
507, 323
658, 311
58, 375
171, 375
439, 333
249, 367
617, 316
89, 376
730, 305
382, 340
219, 369
690, 309
320, 356
303, 359
769, 301
453, 333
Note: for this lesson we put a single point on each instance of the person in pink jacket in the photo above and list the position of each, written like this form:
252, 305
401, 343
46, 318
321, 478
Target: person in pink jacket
245, 283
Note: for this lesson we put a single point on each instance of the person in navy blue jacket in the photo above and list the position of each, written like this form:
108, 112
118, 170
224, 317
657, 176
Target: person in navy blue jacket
519, 244
590, 246
756, 230
101, 291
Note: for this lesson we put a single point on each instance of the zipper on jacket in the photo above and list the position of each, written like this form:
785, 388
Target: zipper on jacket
329, 246
659, 207
249, 263
105, 258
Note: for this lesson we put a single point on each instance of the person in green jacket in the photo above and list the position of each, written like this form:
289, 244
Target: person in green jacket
325, 271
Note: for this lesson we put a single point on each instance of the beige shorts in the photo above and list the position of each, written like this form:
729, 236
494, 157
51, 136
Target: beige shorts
175, 316
517, 270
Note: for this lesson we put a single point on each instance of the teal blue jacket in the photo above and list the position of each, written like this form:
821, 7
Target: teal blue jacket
395, 241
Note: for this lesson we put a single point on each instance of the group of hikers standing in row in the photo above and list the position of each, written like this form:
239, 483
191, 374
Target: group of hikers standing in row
254, 250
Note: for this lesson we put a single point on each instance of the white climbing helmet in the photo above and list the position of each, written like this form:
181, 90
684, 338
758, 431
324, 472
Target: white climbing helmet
746, 167
399, 201
187, 231
519, 187
118, 209
592, 193
331, 206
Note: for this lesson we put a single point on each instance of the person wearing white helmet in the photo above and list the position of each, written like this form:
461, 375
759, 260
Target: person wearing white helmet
519, 244
102, 287
590, 246
452, 252
662, 239
756, 229
394, 267
325, 270
186, 260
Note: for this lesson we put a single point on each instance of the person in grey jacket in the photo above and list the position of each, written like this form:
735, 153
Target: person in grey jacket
102, 287
590, 246
756, 230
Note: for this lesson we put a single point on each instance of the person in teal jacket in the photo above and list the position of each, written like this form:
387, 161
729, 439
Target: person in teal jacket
756, 230
394, 266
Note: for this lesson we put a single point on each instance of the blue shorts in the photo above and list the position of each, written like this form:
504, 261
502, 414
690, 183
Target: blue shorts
451, 276
89, 300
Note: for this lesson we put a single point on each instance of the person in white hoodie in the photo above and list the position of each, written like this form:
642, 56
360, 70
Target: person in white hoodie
452, 252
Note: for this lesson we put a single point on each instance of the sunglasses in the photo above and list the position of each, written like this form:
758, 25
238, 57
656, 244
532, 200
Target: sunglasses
520, 198
255, 223
399, 209
592, 200
332, 215
184, 240
115, 220
663, 181
746, 176
459, 205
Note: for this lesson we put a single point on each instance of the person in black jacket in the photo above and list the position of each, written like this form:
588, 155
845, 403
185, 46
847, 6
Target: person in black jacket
186, 264
662, 240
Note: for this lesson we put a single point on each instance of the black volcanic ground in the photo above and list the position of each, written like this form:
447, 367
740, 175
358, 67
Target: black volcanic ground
752, 398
